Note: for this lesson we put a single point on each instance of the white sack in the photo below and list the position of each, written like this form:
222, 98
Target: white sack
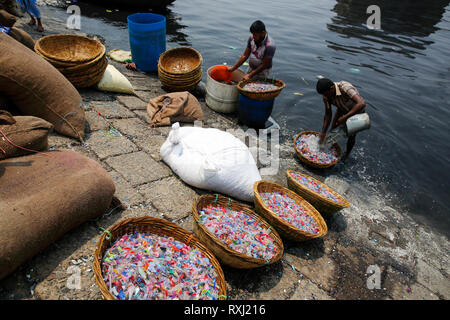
211, 159
114, 81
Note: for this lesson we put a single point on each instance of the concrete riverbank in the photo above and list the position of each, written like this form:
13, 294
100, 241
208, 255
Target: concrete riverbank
370, 235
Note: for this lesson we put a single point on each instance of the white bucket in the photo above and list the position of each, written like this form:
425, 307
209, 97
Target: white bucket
356, 123
222, 97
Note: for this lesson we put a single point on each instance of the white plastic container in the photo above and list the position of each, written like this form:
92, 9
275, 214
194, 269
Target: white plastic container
358, 122
222, 97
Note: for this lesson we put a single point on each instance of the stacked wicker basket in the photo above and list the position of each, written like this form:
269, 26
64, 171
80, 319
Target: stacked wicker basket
180, 69
80, 59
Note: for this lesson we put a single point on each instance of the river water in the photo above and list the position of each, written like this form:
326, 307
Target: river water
402, 71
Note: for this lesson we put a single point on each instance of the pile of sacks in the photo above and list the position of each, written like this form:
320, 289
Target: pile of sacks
7, 22
43, 194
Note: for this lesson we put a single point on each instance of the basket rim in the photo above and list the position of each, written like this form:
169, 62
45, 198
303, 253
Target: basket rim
346, 204
172, 50
299, 200
192, 242
242, 83
75, 36
209, 198
312, 163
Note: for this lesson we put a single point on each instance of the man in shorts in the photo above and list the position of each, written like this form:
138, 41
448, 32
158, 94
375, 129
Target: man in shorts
31, 7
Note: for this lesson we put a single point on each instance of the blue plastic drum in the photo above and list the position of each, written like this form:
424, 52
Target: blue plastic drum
147, 32
254, 113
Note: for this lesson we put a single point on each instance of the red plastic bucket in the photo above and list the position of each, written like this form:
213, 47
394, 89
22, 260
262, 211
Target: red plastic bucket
221, 73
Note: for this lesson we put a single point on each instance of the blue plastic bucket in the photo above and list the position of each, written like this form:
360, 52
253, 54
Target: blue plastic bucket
254, 113
147, 32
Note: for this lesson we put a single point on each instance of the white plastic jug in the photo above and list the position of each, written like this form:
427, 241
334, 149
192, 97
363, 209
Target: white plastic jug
356, 123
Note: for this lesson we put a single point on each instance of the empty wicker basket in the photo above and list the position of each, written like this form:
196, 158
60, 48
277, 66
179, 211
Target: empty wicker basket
156, 226
226, 254
263, 95
180, 68
320, 202
80, 59
69, 48
312, 163
286, 229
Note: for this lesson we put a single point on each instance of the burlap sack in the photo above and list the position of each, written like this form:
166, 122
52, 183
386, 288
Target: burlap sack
7, 19
28, 132
11, 6
174, 107
43, 197
23, 37
38, 89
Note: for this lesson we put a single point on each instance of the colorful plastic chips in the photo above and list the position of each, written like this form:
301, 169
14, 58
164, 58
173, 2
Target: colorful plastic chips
258, 86
145, 266
316, 187
239, 231
308, 146
287, 209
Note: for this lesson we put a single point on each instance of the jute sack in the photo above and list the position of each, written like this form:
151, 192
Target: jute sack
11, 6
174, 107
29, 133
23, 37
38, 89
7, 19
44, 196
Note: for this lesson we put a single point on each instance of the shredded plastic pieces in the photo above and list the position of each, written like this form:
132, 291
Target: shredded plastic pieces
145, 266
287, 209
316, 187
239, 231
259, 86
308, 146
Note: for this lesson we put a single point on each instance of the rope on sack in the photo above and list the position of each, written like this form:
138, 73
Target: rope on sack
15, 145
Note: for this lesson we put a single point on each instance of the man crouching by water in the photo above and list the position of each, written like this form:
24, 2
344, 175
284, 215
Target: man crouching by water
261, 49
348, 102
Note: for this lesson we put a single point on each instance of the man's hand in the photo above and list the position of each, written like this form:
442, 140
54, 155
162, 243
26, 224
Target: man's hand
231, 69
247, 77
341, 120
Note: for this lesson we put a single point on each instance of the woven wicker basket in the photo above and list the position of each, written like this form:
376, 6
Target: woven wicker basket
312, 163
180, 60
88, 78
321, 203
181, 77
156, 226
285, 229
225, 254
261, 96
181, 85
55, 63
69, 48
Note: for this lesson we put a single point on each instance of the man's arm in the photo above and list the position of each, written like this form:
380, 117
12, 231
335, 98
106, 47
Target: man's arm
264, 65
326, 120
241, 60
359, 105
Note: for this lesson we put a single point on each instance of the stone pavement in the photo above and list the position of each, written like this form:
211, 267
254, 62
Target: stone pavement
413, 261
